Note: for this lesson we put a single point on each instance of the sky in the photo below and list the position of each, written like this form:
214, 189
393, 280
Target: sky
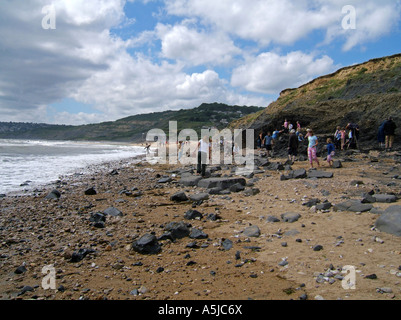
76, 62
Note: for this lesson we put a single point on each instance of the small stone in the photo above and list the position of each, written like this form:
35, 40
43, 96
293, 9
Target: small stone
143, 290
20, 270
318, 247
283, 263
90, 192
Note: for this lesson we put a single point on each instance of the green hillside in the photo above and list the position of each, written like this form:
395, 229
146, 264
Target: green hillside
132, 128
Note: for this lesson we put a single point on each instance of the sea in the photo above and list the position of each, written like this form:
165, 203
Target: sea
29, 164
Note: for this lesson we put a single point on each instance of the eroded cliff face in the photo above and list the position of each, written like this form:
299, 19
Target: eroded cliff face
365, 94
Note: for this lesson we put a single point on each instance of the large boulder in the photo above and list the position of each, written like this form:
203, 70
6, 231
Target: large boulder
252, 231
320, 174
147, 244
179, 197
390, 221
353, 206
190, 181
290, 217
223, 183
385, 198
178, 230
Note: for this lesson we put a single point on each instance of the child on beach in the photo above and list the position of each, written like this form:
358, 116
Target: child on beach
312, 148
330, 151
343, 135
268, 142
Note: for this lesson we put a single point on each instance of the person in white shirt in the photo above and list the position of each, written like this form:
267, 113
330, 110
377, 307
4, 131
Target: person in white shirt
203, 152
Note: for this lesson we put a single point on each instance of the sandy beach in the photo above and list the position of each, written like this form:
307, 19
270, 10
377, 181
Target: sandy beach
236, 245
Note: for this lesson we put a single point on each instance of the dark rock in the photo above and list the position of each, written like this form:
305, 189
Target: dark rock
290, 217
390, 221
295, 174
385, 198
251, 192
368, 198
25, 289
353, 206
192, 215
223, 183
372, 276
54, 194
199, 197
197, 234
252, 231
318, 247
312, 202
227, 244
190, 181
217, 190
192, 245
179, 197
147, 244
97, 217
324, 206
212, 217
165, 180
178, 230
276, 166
337, 164
166, 236
237, 187
320, 174
79, 255
20, 270
114, 172
111, 211
272, 219
90, 192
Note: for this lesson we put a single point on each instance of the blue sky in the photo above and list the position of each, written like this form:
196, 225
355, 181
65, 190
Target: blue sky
79, 62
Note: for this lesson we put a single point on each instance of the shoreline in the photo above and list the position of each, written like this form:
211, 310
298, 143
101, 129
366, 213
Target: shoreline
225, 260
31, 187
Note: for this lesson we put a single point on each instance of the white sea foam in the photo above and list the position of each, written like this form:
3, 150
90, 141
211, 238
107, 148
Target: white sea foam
26, 164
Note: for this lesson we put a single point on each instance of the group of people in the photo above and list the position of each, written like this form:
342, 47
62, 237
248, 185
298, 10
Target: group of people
386, 134
344, 138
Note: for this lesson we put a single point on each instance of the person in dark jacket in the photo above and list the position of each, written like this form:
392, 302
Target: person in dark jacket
389, 132
381, 138
292, 146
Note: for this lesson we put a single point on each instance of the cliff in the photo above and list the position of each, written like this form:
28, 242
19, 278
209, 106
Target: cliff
365, 94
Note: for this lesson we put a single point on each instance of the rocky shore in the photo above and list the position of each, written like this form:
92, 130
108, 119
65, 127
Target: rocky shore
136, 231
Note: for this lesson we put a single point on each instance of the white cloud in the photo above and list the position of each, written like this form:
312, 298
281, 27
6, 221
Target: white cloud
270, 73
193, 47
284, 22
82, 58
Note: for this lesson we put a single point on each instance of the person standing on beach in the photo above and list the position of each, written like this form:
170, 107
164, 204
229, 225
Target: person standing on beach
330, 151
381, 138
268, 143
312, 148
203, 152
292, 146
389, 132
